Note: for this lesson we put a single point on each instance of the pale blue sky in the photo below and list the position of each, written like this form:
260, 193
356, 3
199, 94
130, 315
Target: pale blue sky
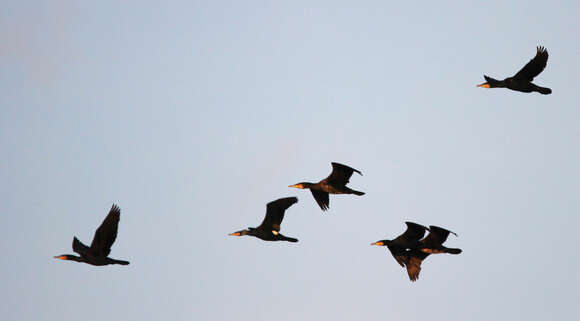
192, 116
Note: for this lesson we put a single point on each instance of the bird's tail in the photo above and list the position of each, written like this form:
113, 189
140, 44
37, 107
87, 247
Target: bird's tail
121, 262
358, 193
290, 239
452, 251
543, 90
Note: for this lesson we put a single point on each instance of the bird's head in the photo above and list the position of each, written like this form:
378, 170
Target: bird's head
247, 231
381, 243
301, 185
239, 233
68, 257
493, 83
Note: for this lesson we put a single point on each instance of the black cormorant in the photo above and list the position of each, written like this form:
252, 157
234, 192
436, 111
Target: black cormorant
522, 80
97, 253
269, 230
335, 183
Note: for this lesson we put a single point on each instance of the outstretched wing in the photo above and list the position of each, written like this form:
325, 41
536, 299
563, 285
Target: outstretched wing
535, 66
414, 267
275, 212
399, 254
414, 231
341, 173
321, 198
106, 233
437, 236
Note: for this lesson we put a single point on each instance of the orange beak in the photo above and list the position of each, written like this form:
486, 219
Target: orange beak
484, 85
235, 234
61, 257
297, 186
378, 243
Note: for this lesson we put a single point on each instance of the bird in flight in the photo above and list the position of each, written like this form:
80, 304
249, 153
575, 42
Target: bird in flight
98, 252
410, 248
269, 230
335, 183
522, 80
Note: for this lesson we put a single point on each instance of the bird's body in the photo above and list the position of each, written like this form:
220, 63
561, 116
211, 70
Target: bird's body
522, 80
409, 249
400, 245
269, 230
431, 244
335, 183
97, 254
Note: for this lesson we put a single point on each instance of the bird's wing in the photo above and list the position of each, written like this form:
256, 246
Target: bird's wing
275, 212
341, 173
321, 198
414, 232
399, 254
437, 236
414, 267
106, 233
535, 66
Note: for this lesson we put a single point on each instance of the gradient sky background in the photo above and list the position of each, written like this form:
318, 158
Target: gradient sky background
193, 115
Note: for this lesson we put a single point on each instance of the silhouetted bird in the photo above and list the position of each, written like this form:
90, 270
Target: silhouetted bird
522, 81
98, 252
432, 244
410, 250
400, 245
335, 183
269, 230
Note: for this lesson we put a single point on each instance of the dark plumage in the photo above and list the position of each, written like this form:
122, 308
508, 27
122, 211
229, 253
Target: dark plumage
98, 252
409, 239
269, 230
335, 183
522, 80
410, 251
432, 244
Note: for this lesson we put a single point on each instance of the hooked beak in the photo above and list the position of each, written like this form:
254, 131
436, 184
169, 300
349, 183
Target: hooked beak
379, 243
484, 85
297, 186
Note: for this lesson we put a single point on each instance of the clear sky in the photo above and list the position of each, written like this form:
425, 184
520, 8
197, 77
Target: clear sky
193, 115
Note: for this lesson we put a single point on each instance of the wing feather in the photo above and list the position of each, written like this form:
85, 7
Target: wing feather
106, 234
275, 212
341, 173
321, 198
535, 66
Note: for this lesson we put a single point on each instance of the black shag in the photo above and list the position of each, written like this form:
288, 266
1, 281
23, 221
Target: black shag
410, 250
408, 240
522, 80
269, 230
335, 183
432, 244
97, 253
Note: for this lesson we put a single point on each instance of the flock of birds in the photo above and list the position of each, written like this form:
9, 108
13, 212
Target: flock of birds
409, 249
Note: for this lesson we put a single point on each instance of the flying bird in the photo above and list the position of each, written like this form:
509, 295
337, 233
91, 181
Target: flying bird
335, 183
98, 252
269, 230
409, 249
522, 80
408, 240
432, 244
